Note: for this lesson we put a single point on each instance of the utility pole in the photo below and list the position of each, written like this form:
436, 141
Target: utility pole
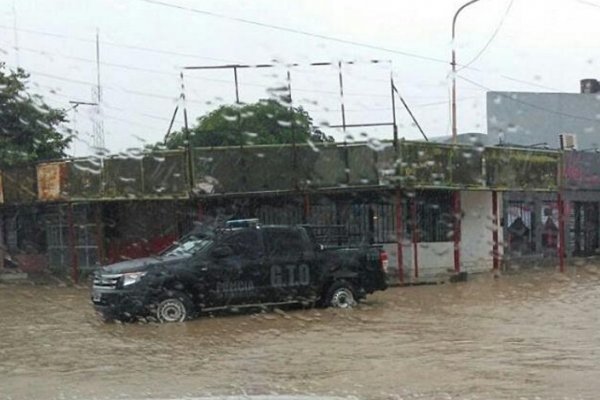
453, 63
188, 138
98, 141
456, 206
74, 105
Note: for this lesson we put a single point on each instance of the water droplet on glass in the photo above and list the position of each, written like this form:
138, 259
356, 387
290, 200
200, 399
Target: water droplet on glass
230, 118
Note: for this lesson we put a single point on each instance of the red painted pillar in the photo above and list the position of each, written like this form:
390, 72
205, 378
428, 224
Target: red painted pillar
561, 233
399, 236
495, 254
99, 233
72, 238
456, 236
415, 235
200, 211
306, 208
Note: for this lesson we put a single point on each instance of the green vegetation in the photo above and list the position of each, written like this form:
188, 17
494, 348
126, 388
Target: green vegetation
263, 122
28, 126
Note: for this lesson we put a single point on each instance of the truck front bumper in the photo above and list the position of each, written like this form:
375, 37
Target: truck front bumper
119, 304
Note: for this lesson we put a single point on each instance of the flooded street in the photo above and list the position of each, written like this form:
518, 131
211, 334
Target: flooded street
520, 336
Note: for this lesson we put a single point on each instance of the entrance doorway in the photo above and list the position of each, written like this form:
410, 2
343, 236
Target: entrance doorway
585, 228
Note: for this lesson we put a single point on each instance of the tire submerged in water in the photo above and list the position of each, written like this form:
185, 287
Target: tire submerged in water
340, 295
173, 306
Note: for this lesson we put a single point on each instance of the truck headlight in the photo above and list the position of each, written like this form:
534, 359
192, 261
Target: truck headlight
132, 277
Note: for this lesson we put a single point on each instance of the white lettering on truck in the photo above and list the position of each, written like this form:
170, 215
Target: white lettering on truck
290, 275
235, 288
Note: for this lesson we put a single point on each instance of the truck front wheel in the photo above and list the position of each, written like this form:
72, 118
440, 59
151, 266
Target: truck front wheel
173, 306
341, 295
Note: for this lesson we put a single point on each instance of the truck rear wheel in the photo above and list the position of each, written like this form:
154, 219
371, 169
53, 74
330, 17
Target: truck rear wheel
173, 307
341, 295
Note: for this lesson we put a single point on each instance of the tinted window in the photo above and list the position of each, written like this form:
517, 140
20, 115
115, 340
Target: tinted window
245, 243
284, 242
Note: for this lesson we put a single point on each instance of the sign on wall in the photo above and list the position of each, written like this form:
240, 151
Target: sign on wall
50, 179
581, 170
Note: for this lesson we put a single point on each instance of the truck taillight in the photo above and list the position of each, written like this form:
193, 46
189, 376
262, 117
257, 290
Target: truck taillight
383, 259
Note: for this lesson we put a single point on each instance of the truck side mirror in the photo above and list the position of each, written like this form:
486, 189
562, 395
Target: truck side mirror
221, 251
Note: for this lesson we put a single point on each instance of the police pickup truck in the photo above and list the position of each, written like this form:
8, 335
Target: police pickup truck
238, 266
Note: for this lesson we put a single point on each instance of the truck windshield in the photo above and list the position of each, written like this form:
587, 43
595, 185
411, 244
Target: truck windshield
187, 246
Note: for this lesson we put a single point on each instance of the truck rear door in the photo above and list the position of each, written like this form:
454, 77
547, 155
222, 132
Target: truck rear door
291, 263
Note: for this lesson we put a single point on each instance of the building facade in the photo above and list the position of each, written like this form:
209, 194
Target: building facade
531, 119
436, 208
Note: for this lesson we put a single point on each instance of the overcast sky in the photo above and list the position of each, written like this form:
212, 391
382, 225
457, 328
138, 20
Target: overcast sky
518, 45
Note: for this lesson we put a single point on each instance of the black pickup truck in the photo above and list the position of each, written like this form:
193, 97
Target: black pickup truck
238, 266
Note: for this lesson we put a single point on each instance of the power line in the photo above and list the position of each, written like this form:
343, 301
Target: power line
444, 102
118, 45
87, 83
108, 106
330, 38
132, 47
134, 92
370, 109
130, 122
126, 46
172, 74
122, 66
327, 110
491, 39
516, 100
589, 3
174, 53
146, 94
295, 31
62, 78
109, 116
141, 114
530, 83
525, 82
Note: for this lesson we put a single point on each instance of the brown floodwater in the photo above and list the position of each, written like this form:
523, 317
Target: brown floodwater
524, 336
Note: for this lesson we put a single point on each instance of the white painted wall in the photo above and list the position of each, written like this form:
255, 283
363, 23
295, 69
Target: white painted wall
436, 260
392, 251
477, 227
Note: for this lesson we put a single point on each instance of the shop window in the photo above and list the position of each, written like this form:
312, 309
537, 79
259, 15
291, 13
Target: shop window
433, 216
519, 227
585, 228
373, 222
24, 234
549, 221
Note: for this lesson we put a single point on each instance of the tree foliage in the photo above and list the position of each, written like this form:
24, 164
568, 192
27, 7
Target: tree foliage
263, 122
28, 126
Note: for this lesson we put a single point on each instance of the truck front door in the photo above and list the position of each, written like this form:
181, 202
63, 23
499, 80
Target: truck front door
236, 268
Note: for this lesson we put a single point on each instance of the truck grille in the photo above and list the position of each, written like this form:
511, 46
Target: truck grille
106, 281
